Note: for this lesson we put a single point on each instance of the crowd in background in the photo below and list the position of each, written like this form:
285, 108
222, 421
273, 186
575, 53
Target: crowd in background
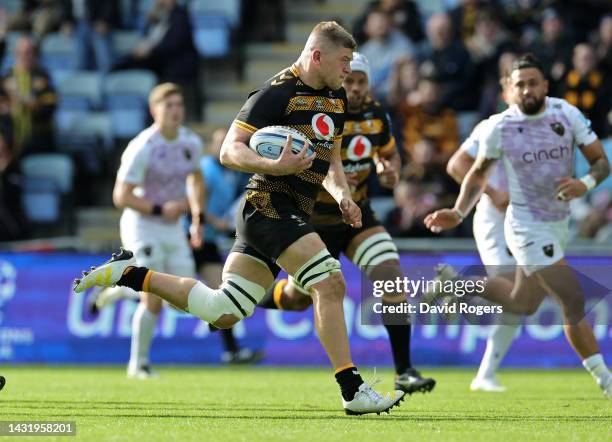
436, 69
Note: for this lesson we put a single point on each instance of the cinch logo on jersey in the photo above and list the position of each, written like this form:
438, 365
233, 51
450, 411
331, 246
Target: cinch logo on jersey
360, 147
323, 126
538, 156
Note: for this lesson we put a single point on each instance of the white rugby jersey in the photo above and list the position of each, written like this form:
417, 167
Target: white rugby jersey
159, 167
536, 150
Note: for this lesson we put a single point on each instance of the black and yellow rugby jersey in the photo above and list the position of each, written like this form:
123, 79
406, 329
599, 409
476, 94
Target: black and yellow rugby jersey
319, 114
366, 134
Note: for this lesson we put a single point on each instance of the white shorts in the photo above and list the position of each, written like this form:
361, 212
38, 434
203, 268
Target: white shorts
536, 244
490, 240
160, 246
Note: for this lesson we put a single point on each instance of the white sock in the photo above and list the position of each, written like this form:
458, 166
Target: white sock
143, 326
597, 367
498, 343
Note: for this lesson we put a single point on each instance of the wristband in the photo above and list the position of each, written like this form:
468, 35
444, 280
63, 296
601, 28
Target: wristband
200, 218
460, 214
157, 210
589, 181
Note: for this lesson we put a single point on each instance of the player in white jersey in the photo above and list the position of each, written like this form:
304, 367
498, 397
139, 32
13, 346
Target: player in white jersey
535, 140
488, 230
158, 181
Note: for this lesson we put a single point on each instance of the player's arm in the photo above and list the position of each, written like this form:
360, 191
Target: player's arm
387, 159
335, 183
123, 196
459, 165
569, 188
472, 188
196, 195
457, 168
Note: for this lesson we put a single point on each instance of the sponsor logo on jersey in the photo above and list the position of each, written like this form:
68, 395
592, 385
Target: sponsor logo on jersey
356, 167
556, 153
323, 126
187, 154
360, 147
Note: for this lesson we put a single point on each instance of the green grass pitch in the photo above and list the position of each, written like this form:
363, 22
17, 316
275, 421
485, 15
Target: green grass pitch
279, 404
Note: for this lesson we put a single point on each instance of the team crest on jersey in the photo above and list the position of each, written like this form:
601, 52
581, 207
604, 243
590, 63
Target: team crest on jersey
323, 126
548, 250
187, 154
558, 128
360, 147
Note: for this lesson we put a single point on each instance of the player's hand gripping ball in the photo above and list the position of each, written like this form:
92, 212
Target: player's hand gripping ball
269, 141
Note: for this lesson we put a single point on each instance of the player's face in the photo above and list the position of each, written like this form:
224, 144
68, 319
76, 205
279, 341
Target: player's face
170, 112
356, 86
335, 66
528, 89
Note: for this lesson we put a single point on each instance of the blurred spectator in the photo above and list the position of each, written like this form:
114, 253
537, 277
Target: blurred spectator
603, 45
12, 220
588, 89
487, 44
522, 15
168, 49
38, 17
31, 99
492, 101
447, 59
92, 22
553, 47
403, 83
385, 46
430, 134
413, 201
463, 18
404, 14
263, 20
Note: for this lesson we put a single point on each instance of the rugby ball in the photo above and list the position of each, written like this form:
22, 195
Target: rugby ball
270, 140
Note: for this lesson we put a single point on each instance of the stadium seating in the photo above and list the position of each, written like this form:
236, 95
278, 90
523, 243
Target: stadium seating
213, 25
58, 55
13, 6
230, 9
126, 94
124, 42
9, 59
48, 182
80, 90
211, 35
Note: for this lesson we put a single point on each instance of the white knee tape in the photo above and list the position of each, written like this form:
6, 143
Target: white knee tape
298, 287
375, 250
237, 296
316, 269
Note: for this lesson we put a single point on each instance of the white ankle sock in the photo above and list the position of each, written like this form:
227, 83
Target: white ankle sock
498, 343
143, 326
597, 367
